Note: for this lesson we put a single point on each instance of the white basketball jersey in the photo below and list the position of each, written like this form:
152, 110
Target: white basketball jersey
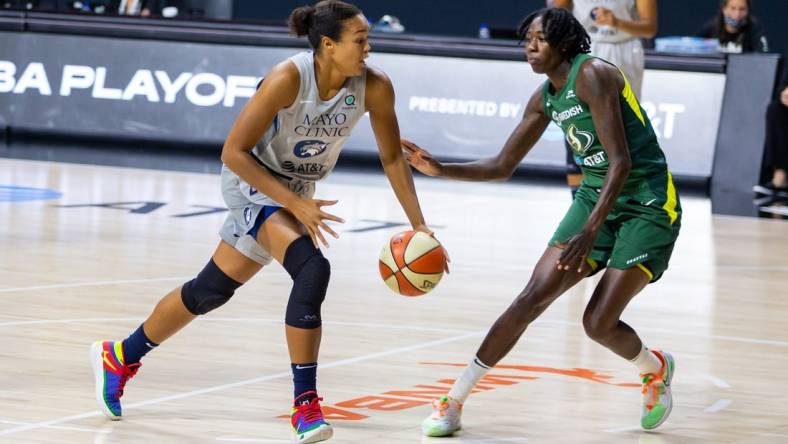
623, 9
305, 139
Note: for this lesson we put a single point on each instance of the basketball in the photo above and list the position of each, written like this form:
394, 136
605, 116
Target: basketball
412, 263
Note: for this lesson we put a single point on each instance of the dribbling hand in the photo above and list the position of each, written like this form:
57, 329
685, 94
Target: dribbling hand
309, 213
420, 159
425, 229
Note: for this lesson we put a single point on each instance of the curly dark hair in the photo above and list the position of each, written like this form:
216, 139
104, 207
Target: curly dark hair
562, 31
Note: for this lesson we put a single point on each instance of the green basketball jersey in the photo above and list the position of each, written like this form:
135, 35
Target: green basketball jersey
573, 116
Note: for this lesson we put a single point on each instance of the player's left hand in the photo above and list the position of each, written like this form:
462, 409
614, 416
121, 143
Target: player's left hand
605, 17
576, 250
425, 229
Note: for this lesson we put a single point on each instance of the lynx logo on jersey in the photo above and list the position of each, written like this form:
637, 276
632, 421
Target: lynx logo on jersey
309, 148
306, 169
579, 140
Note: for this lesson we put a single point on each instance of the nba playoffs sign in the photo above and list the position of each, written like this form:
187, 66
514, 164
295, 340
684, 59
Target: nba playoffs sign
153, 90
176, 91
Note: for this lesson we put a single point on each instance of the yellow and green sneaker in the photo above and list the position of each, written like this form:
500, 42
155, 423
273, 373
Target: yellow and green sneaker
657, 399
444, 419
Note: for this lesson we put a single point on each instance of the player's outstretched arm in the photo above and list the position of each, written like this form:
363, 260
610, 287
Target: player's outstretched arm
500, 167
279, 90
379, 100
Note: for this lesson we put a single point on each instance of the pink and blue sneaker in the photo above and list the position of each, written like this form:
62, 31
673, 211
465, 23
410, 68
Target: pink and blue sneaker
111, 374
307, 420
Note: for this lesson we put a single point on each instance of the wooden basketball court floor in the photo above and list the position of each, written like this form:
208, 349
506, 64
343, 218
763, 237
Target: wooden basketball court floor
88, 260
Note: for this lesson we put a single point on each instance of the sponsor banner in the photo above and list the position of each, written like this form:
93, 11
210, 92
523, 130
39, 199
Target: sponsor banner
192, 92
466, 108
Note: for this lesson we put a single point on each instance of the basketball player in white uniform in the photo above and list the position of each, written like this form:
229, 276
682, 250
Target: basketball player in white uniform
615, 28
288, 137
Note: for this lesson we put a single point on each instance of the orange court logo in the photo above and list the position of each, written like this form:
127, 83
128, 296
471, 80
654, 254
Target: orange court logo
502, 375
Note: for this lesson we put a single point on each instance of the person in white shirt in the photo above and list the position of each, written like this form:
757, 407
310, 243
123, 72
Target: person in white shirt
615, 28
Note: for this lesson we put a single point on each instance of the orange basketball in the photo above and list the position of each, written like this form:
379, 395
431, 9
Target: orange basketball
412, 263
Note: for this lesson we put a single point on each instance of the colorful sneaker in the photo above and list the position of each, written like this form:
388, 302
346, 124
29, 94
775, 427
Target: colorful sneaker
445, 417
111, 375
308, 423
657, 399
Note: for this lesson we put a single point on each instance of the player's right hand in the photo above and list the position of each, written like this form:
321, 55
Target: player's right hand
309, 213
420, 158
426, 229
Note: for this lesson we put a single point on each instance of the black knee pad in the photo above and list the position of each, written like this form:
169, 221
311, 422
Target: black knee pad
310, 272
209, 290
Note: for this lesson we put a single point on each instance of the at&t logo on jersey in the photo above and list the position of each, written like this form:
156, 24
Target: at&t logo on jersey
309, 148
304, 169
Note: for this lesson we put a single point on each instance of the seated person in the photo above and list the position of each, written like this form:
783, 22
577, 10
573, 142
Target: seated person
735, 28
144, 8
775, 152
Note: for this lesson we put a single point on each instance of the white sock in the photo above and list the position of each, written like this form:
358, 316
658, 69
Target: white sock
647, 362
470, 376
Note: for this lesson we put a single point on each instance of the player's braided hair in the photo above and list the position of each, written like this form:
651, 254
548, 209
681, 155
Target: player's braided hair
562, 31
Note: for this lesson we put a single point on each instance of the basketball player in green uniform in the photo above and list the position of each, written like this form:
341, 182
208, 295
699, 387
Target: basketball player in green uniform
625, 218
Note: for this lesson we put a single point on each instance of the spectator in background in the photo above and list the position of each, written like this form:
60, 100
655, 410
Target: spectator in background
736, 28
615, 28
19, 4
143, 8
776, 146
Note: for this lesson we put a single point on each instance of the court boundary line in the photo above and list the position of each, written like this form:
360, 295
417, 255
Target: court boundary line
230, 319
91, 284
58, 427
718, 405
718, 382
370, 356
254, 440
772, 342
